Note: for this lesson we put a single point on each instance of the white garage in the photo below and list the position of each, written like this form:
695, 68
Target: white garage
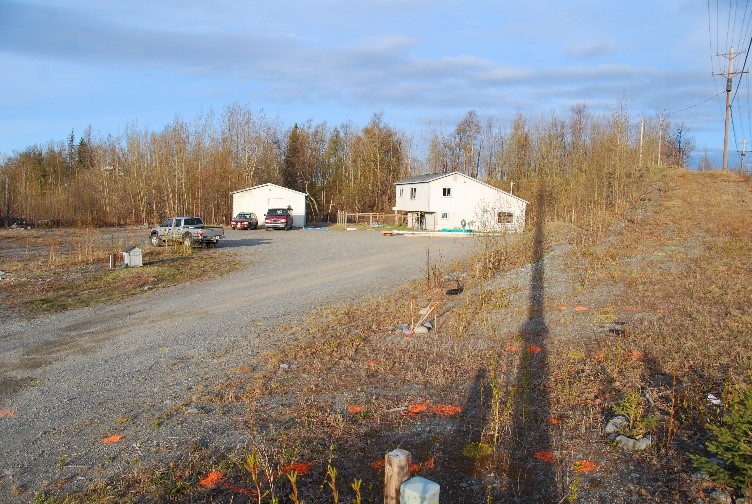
260, 198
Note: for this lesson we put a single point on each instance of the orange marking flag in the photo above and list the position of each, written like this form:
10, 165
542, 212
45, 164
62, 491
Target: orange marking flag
584, 466
212, 479
635, 354
301, 468
415, 409
115, 438
544, 456
446, 410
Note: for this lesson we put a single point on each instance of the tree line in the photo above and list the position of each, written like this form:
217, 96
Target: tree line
190, 168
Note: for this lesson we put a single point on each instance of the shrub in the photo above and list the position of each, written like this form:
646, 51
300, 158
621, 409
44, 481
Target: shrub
732, 445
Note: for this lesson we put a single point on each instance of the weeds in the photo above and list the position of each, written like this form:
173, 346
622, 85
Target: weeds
632, 407
356, 485
76, 275
732, 444
680, 282
477, 450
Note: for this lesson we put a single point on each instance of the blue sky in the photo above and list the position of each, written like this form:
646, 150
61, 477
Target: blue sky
107, 64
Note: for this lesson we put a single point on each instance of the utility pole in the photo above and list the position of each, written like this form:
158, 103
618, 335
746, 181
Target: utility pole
729, 87
660, 136
742, 154
642, 135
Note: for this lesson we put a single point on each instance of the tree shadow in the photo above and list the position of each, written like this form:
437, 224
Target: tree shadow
530, 478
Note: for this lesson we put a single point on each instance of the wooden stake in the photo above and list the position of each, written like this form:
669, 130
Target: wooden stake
425, 316
396, 472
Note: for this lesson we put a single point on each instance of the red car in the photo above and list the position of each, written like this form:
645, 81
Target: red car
244, 220
278, 218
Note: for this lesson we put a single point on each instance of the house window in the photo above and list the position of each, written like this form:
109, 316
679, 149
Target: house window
505, 218
446, 192
402, 191
444, 216
413, 192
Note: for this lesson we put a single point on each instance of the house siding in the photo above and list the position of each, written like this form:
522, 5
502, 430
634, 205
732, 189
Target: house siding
469, 202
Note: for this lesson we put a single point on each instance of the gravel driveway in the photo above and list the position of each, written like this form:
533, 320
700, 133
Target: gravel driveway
141, 368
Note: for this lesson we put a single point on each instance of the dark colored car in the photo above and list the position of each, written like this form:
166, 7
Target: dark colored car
278, 218
244, 220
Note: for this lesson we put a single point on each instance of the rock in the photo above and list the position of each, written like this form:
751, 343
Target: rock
721, 497
630, 445
616, 424
700, 476
198, 410
420, 330
284, 366
425, 310
12, 472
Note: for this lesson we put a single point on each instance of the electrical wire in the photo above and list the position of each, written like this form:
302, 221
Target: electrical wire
719, 93
736, 15
744, 65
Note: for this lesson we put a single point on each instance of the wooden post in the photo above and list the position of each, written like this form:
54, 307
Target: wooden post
396, 472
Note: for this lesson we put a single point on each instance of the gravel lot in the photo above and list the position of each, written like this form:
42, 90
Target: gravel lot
136, 368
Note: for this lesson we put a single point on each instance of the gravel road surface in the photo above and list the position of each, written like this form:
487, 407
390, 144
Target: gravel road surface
143, 368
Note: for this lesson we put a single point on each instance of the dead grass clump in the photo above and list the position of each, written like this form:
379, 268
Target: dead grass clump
685, 266
38, 286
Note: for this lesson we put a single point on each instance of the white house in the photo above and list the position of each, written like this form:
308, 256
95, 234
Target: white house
455, 201
260, 198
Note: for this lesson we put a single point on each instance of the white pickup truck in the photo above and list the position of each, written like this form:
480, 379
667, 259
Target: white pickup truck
189, 231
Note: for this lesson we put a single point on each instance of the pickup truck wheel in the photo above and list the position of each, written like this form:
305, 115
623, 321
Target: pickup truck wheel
188, 240
156, 240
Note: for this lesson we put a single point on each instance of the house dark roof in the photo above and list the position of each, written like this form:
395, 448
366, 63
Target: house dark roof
430, 177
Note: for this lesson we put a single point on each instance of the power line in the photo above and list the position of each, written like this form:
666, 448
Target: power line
744, 65
720, 93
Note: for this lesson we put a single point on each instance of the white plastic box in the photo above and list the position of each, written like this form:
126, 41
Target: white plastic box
419, 490
132, 258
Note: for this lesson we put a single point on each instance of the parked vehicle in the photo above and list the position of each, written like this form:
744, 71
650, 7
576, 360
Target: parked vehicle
189, 231
278, 218
244, 220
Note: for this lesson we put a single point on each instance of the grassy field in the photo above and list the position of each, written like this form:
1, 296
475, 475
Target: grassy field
51, 270
643, 313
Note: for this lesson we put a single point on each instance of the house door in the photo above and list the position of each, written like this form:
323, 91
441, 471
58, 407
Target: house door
430, 223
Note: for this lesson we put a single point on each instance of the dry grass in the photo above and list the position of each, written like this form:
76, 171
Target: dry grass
535, 379
50, 271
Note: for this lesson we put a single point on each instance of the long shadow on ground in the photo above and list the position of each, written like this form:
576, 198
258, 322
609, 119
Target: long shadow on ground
531, 479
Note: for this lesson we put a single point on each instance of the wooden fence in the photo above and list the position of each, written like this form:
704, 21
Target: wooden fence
373, 219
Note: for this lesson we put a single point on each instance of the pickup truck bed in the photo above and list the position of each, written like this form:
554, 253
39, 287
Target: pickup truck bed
190, 231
